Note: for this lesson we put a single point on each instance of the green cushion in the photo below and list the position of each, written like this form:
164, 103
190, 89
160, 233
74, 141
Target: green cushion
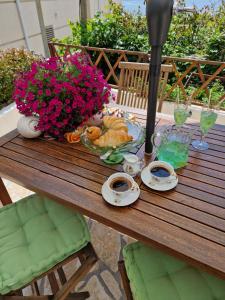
154, 275
36, 234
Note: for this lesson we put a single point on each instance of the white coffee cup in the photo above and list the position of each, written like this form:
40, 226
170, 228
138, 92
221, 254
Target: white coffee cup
115, 180
161, 179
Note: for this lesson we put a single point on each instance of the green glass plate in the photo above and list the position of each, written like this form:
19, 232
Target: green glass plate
135, 129
114, 159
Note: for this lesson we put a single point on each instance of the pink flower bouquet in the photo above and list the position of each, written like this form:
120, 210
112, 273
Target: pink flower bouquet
63, 94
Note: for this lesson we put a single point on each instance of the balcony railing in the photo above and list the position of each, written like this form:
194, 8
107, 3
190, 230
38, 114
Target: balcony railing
183, 68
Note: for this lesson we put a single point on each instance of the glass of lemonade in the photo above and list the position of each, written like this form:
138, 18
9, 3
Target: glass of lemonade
181, 113
207, 121
181, 110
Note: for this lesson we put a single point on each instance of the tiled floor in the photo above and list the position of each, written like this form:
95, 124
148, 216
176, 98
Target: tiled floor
103, 282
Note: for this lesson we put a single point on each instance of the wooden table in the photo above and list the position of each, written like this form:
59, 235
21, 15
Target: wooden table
188, 222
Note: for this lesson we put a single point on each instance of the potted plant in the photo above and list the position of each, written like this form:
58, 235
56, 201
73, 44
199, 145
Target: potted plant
62, 93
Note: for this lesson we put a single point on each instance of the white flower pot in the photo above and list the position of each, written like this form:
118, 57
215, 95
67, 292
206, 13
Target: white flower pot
26, 127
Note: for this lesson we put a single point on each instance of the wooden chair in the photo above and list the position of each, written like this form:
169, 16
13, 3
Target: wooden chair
38, 237
150, 274
133, 84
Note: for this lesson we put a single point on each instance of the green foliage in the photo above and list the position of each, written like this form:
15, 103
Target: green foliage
215, 49
201, 33
12, 62
216, 91
116, 29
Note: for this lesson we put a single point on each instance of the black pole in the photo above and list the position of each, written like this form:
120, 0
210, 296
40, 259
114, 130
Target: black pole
154, 71
159, 15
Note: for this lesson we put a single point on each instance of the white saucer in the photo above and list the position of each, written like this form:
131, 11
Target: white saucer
146, 178
125, 201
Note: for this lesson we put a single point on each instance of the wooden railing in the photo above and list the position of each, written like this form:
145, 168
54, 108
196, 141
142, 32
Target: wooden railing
109, 59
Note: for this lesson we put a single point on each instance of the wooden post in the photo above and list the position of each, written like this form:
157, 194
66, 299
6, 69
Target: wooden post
42, 27
84, 14
84, 10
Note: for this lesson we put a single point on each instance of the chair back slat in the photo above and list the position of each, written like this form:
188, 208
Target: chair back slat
133, 84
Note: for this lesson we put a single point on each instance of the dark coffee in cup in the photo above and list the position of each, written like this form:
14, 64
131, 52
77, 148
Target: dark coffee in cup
120, 184
160, 172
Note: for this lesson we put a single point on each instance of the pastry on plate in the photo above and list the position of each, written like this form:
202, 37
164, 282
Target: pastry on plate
115, 123
93, 132
113, 138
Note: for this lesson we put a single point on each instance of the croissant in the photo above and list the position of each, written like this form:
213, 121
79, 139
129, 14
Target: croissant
93, 132
113, 138
115, 123
109, 120
119, 126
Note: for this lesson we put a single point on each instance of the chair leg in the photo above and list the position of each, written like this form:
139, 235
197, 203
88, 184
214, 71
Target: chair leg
125, 280
53, 283
90, 259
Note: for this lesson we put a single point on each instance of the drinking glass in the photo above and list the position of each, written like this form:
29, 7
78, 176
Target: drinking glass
181, 113
207, 121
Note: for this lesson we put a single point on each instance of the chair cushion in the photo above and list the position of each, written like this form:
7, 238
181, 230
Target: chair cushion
36, 234
154, 275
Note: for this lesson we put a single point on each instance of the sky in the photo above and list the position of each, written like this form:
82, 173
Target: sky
133, 4
200, 3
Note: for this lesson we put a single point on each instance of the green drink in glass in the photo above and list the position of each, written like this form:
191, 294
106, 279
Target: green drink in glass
181, 111
173, 152
180, 116
207, 121
173, 146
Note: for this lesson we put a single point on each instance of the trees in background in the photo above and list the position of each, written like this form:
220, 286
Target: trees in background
201, 33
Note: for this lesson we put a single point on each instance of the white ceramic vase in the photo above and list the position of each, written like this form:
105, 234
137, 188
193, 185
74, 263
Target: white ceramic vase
26, 127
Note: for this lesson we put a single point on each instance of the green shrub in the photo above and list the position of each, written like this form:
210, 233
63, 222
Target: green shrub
215, 49
117, 29
12, 61
200, 33
216, 90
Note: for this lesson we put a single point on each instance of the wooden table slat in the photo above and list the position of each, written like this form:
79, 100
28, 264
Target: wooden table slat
211, 136
205, 171
202, 177
207, 157
63, 152
207, 164
177, 220
8, 137
189, 207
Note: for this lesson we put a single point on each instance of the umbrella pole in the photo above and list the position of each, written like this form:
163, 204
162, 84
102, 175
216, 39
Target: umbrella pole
154, 78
